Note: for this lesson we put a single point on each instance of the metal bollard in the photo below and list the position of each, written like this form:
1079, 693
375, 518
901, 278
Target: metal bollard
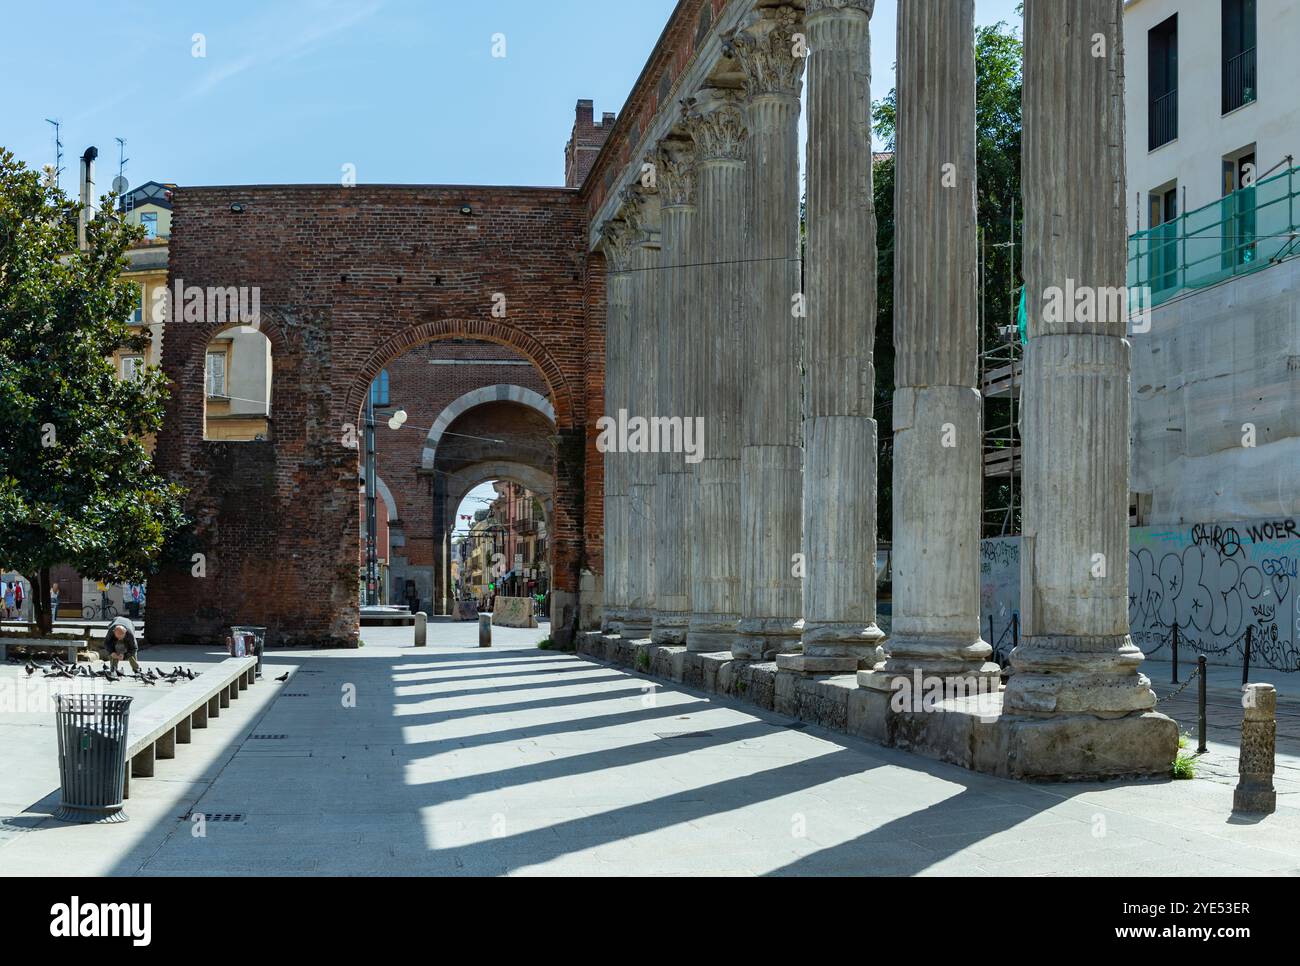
1200, 703
421, 628
1245, 660
1254, 792
1175, 649
484, 630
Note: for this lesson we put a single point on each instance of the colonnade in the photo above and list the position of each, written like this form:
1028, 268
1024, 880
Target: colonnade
765, 545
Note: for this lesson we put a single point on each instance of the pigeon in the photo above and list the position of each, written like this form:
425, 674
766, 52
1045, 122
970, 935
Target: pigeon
283, 677
30, 669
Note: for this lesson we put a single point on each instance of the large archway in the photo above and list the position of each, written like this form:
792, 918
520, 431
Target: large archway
349, 280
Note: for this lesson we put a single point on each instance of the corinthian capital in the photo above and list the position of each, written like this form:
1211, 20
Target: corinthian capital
768, 52
716, 125
675, 164
617, 240
641, 213
812, 7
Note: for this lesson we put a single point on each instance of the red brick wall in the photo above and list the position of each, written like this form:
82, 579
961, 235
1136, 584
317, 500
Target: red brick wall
350, 279
585, 142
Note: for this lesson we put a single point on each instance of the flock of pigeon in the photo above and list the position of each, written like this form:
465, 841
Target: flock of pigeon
62, 669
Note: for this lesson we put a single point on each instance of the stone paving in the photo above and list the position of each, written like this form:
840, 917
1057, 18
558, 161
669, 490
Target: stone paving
465, 761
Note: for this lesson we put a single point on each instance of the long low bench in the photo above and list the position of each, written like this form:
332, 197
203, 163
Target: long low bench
70, 645
156, 729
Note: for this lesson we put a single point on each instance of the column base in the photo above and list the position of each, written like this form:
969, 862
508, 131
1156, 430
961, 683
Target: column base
611, 621
669, 627
763, 638
637, 624
1062, 674
709, 633
835, 647
939, 657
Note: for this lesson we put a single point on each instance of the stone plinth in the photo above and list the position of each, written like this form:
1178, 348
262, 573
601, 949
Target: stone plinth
1254, 792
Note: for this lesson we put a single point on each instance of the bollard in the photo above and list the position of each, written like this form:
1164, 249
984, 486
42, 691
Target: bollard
421, 628
484, 630
1254, 792
1200, 702
1174, 645
1245, 658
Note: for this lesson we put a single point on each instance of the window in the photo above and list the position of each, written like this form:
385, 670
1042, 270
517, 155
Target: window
137, 314
132, 367
1238, 216
1162, 83
1163, 211
149, 219
379, 389
1239, 77
217, 374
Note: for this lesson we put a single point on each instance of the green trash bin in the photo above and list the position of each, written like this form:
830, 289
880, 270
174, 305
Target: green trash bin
92, 756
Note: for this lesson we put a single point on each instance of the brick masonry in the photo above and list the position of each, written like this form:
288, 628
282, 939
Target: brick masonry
352, 279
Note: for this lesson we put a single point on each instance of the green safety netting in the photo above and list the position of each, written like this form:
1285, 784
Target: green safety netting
1238, 234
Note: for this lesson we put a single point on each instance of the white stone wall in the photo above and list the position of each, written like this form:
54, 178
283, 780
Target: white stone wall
1195, 157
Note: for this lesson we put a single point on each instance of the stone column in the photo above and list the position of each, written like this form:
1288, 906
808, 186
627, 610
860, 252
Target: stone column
717, 126
839, 502
937, 412
617, 244
1258, 755
674, 164
642, 215
1075, 655
771, 480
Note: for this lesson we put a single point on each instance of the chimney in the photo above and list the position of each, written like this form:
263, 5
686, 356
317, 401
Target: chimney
87, 193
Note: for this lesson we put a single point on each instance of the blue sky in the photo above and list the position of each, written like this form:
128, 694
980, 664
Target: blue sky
291, 90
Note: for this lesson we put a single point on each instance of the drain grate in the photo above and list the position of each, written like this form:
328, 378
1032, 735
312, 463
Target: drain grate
683, 734
266, 737
293, 694
215, 816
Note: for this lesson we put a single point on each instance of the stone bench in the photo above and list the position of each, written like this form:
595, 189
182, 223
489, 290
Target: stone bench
70, 645
157, 728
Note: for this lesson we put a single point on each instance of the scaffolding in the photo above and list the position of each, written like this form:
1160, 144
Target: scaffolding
1001, 374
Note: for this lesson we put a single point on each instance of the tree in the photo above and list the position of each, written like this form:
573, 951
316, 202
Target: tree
998, 59
76, 481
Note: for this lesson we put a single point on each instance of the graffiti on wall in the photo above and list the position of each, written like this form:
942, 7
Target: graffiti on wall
1213, 581
1210, 580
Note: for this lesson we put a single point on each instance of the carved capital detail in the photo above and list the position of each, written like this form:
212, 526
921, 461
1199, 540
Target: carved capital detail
675, 165
765, 51
818, 6
617, 239
641, 213
717, 125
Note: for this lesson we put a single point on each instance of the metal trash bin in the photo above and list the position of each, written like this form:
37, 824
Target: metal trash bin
254, 642
92, 756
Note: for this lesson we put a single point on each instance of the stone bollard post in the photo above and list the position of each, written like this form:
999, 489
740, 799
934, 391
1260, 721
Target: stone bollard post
1254, 791
421, 628
484, 630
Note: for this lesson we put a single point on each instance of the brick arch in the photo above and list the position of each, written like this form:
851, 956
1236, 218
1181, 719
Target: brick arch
193, 366
501, 392
465, 479
489, 330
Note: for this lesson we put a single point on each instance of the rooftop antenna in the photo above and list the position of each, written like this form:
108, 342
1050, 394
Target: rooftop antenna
120, 184
58, 153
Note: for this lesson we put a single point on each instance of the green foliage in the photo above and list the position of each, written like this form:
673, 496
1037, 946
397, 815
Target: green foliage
643, 660
1184, 766
998, 56
76, 482
545, 644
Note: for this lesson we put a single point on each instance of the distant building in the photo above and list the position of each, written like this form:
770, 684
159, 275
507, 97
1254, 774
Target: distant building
1213, 126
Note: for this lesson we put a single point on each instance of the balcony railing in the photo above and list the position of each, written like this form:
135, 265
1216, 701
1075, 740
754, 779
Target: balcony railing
1241, 233
1162, 120
1239, 80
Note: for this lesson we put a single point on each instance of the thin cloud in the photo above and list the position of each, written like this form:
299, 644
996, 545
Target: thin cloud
328, 18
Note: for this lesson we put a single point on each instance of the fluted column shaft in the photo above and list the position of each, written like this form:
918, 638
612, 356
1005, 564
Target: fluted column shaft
674, 497
617, 246
771, 483
1075, 654
642, 466
718, 129
938, 411
839, 502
